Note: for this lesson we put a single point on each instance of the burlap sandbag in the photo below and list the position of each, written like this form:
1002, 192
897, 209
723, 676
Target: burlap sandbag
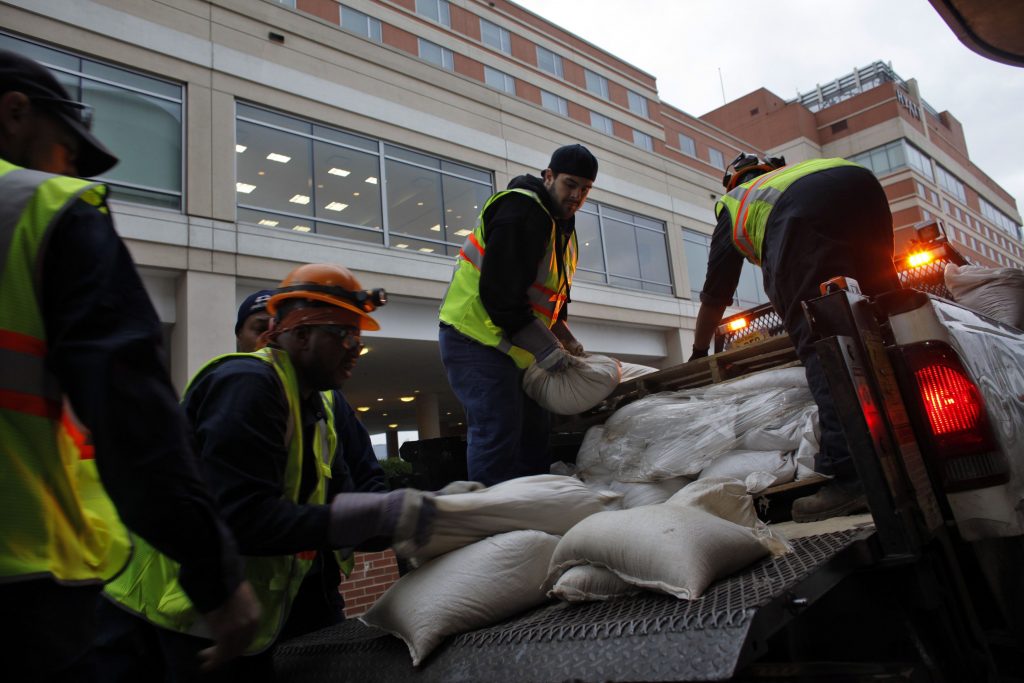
585, 382
585, 583
470, 588
545, 502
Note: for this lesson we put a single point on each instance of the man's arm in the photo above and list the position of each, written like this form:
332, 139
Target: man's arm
725, 264
357, 454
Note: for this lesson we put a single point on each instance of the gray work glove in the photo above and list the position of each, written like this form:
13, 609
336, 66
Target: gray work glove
545, 347
564, 335
405, 516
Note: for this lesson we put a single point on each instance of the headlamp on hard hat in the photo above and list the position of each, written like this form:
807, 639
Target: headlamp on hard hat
745, 164
366, 300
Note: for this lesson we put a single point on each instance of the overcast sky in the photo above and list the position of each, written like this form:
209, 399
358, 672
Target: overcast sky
789, 46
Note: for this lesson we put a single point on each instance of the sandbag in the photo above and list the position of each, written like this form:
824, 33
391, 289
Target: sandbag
634, 370
723, 497
636, 494
995, 292
586, 583
674, 549
585, 382
778, 465
544, 502
475, 586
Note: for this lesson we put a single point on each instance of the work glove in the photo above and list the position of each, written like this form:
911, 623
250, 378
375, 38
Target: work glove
545, 347
564, 335
232, 626
698, 353
404, 516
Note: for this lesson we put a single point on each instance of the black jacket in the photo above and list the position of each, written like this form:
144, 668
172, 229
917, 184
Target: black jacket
516, 234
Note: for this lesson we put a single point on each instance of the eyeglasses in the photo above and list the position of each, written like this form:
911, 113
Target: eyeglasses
348, 336
82, 112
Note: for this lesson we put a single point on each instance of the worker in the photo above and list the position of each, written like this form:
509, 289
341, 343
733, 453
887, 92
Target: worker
319, 604
507, 308
80, 354
803, 225
266, 439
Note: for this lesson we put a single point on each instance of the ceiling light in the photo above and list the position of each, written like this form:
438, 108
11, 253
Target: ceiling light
279, 158
380, 399
436, 228
244, 188
407, 399
336, 206
261, 173
240, 148
371, 180
449, 210
339, 171
463, 232
363, 351
299, 199
268, 222
419, 203
393, 425
427, 250
401, 246
363, 409
301, 228
355, 194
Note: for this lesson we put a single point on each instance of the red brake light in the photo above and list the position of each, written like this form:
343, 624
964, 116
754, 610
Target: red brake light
961, 437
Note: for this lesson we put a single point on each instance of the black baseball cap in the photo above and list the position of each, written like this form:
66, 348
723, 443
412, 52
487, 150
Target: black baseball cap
35, 81
254, 303
574, 160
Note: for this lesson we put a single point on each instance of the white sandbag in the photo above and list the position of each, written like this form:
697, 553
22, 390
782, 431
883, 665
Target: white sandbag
585, 382
723, 497
544, 502
634, 370
674, 549
778, 465
475, 586
995, 292
779, 378
585, 583
636, 494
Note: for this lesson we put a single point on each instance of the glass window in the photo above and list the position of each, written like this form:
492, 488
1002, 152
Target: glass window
554, 103
622, 249
549, 61
500, 80
601, 123
637, 103
303, 177
696, 247
950, 183
687, 145
596, 83
893, 156
139, 118
643, 141
495, 36
998, 218
435, 54
287, 3
715, 158
435, 9
360, 23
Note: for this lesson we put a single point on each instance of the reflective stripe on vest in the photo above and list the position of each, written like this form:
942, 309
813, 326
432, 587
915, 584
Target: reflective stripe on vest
750, 204
463, 309
149, 585
58, 521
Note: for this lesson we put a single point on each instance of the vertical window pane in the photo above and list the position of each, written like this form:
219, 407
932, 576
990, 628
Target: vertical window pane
435, 9
588, 234
554, 103
495, 36
463, 201
596, 83
414, 201
623, 259
715, 158
637, 104
601, 123
653, 254
549, 61
435, 54
342, 177
360, 23
643, 140
687, 145
274, 170
499, 80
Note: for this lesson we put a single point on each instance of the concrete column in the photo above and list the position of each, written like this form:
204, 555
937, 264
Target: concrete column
678, 344
204, 323
391, 439
428, 417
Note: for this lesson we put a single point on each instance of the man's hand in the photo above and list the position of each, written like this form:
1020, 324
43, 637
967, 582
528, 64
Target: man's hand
569, 342
698, 353
555, 360
405, 517
233, 625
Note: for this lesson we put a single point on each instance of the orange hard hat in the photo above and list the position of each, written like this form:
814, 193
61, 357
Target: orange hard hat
332, 284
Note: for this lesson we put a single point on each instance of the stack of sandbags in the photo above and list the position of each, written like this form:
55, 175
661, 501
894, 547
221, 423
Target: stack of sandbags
995, 292
582, 384
705, 532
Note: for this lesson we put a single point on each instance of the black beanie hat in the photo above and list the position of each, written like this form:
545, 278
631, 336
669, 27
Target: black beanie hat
574, 160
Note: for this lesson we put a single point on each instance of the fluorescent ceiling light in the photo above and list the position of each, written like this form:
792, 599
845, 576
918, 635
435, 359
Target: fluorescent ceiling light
240, 148
299, 199
393, 425
363, 409
336, 206
407, 399
401, 246
427, 250
371, 180
339, 171
280, 158
436, 228
268, 222
463, 232
301, 228
244, 188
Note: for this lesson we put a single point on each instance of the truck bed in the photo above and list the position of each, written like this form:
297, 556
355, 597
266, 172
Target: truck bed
650, 637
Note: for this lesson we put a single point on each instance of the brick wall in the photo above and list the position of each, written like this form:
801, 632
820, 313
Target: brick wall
372, 575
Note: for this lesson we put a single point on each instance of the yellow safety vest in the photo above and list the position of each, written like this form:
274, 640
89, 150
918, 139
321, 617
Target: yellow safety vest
463, 309
149, 585
57, 520
750, 204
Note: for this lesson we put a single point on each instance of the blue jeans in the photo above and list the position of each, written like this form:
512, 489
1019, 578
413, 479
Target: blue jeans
507, 432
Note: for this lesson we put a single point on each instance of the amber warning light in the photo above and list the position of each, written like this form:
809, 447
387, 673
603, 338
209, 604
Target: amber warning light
920, 258
737, 324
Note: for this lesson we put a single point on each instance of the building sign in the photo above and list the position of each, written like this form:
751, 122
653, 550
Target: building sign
904, 99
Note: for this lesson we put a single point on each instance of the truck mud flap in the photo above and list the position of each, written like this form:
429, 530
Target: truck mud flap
645, 638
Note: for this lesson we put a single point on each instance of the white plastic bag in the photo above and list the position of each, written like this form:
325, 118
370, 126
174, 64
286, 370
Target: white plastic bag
585, 382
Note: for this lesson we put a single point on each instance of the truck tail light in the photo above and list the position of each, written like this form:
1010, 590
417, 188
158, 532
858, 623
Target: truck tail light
961, 439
